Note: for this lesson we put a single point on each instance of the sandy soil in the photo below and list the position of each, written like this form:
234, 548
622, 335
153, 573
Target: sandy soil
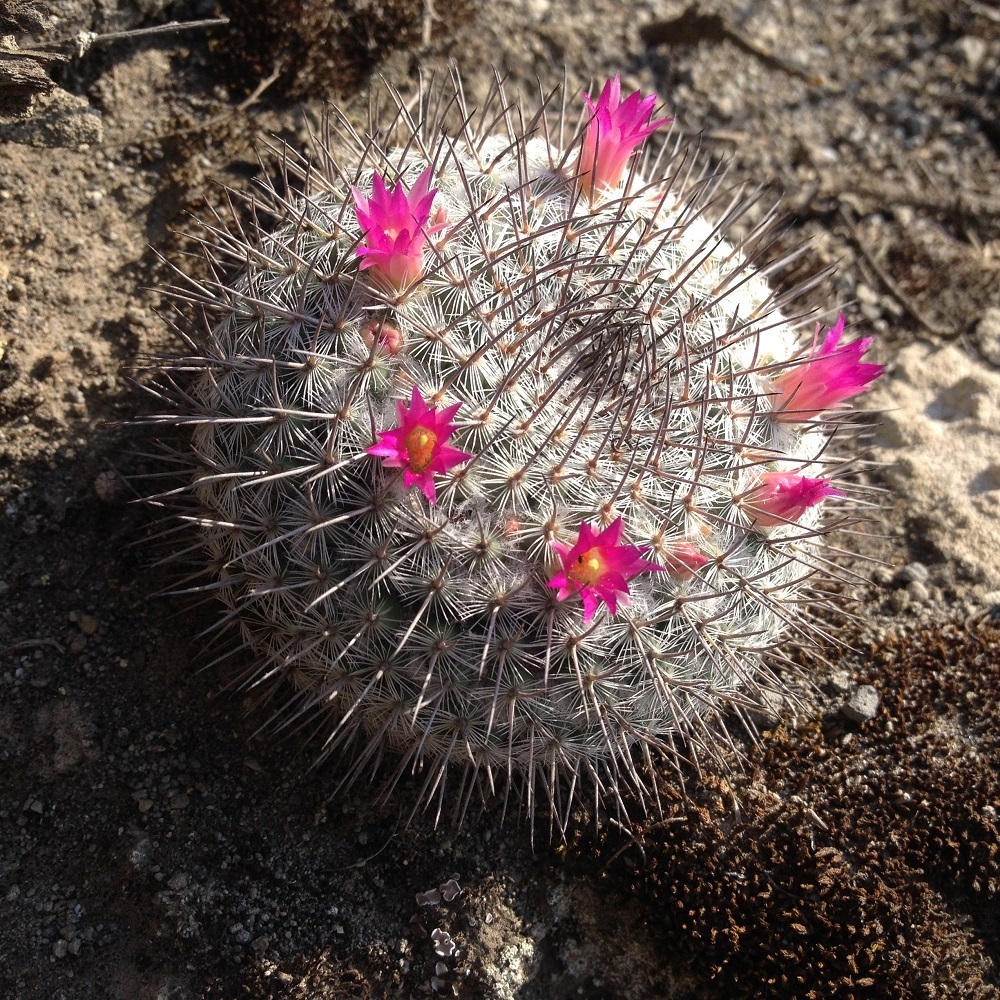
154, 844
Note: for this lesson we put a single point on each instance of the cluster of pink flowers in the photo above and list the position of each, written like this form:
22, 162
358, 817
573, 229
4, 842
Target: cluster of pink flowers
828, 375
599, 565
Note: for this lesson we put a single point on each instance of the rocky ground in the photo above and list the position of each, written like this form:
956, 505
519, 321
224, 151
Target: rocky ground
154, 844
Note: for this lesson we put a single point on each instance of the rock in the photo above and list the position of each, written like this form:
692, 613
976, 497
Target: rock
862, 704
945, 408
57, 119
988, 336
178, 882
914, 571
919, 592
972, 51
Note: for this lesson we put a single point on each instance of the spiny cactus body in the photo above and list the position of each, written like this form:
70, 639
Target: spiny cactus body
508, 464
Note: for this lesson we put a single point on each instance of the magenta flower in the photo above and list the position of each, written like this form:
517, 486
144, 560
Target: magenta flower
395, 227
598, 568
684, 560
615, 130
781, 497
417, 445
826, 378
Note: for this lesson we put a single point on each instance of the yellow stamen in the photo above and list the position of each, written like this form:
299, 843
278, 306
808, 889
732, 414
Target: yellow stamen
420, 444
587, 568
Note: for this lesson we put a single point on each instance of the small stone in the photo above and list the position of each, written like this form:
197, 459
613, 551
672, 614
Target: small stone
918, 591
899, 601
972, 50
866, 295
60, 949
882, 576
145, 805
179, 801
862, 705
840, 681
74, 946
913, 571
178, 882
107, 487
88, 625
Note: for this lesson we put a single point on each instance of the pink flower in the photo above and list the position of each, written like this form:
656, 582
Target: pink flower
615, 130
781, 497
684, 560
417, 445
598, 568
826, 378
395, 228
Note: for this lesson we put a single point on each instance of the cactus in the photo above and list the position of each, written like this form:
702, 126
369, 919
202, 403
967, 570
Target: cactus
510, 469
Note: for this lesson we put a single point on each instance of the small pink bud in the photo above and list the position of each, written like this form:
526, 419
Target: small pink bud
395, 229
417, 445
829, 375
390, 340
614, 131
783, 497
684, 560
598, 568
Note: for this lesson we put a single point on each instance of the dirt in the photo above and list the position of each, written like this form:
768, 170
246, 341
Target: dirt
154, 843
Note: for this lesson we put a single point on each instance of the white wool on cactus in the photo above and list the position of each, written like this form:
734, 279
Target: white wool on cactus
495, 456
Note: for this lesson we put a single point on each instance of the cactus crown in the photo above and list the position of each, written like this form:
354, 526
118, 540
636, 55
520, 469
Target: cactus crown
496, 457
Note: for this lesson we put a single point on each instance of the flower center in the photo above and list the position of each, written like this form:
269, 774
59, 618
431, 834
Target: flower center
420, 443
587, 568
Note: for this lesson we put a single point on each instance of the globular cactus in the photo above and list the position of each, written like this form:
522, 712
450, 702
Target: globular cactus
509, 467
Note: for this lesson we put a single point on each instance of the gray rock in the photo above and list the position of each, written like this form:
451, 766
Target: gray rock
914, 571
57, 119
862, 704
919, 591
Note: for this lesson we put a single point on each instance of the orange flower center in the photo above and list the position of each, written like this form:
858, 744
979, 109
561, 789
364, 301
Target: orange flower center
587, 568
420, 443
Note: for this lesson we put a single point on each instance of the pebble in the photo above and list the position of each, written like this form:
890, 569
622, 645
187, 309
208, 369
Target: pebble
840, 681
900, 600
178, 882
972, 50
913, 572
862, 705
918, 591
